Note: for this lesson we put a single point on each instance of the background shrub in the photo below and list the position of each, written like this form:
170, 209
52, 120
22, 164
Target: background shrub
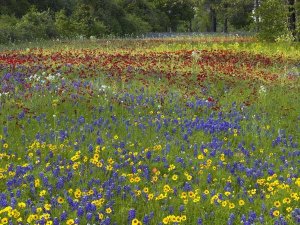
36, 25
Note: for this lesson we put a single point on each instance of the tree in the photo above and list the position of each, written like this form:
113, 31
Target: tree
36, 25
14, 7
147, 11
63, 24
273, 19
177, 11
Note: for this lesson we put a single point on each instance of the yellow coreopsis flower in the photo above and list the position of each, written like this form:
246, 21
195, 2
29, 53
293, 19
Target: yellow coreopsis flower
70, 222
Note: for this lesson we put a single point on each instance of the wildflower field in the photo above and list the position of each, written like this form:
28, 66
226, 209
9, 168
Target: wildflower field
201, 130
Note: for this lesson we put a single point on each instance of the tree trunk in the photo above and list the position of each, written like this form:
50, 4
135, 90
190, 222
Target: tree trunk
256, 6
292, 17
226, 25
225, 29
213, 20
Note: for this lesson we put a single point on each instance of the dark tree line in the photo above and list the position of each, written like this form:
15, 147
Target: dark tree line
29, 19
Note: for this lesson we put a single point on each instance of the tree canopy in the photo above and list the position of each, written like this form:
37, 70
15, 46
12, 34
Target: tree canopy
69, 18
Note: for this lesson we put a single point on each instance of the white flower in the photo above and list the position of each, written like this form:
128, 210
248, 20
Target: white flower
196, 55
262, 89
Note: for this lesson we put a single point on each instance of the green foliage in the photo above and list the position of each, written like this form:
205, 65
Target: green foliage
135, 25
63, 24
297, 7
7, 30
73, 18
14, 7
82, 20
98, 29
273, 20
177, 11
147, 11
201, 21
112, 15
36, 25
81, 23
240, 16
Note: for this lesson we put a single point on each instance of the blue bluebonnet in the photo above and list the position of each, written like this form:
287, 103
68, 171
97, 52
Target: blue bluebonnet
131, 214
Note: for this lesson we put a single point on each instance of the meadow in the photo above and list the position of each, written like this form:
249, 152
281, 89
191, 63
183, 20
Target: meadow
199, 130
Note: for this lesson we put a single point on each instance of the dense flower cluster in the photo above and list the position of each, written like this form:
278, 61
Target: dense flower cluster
77, 150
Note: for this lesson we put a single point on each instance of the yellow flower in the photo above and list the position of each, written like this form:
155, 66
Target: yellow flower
35, 216
4, 220
47, 206
227, 193
39, 210
60, 200
277, 204
178, 219
77, 193
136, 222
276, 213
189, 177
22, 205
46, 216
150, 197
206, 192
166, 220
289, 209
200, 156
116, 137
70, 222
154, 179
167, 188
183, 195
37, 183
183, 217
108, 210
42, 193
101, 216
5, 145
286, 201
191, 194
231, 205
174, 177
16, 213
224, 203
241, 202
